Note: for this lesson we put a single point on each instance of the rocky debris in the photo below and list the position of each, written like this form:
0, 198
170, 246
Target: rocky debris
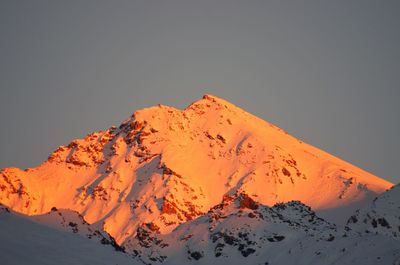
74, 227
276, 238
146, 236
185, 211
286, 172
109, 240
298, 214
168, 171
221, 138
153, 227
196, 255
240, 241
12, 185
91, 151
99, 192
4, 209
169, 207
247, 202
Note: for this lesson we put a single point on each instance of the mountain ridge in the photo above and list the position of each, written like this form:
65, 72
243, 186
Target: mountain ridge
167, 166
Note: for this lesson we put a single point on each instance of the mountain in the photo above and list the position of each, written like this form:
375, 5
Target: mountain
238, 230
26, 241
169, 180
241, 231
382, 216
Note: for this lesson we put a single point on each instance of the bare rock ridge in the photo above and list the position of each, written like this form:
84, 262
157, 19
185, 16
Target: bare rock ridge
164, 170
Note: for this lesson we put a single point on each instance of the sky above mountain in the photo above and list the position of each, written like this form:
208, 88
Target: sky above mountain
325, 72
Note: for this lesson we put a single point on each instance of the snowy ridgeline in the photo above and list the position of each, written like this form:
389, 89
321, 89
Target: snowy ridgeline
186, 186
236, 231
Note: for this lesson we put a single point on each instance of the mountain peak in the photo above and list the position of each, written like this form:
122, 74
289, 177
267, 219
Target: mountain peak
217, 100
209, 100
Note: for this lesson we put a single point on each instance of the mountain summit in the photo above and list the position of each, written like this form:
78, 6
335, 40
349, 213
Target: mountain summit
163, 167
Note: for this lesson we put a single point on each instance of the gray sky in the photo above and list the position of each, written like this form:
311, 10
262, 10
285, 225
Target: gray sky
325, 71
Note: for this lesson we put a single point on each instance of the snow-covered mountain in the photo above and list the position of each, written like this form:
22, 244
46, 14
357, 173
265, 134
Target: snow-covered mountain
59, 237
241, 231
382, 216
206, 184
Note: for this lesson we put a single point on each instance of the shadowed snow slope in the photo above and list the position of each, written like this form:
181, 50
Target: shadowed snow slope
163, 167
24, 242
382, 216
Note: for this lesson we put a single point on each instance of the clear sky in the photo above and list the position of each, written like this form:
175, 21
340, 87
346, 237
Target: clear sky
328, 72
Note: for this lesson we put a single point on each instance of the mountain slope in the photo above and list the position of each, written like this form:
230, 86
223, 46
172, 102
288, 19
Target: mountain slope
382, 216
241, 231
24, 241
163, 167
238, 230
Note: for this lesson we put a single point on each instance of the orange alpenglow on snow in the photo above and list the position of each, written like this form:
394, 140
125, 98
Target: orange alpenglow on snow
164, 166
